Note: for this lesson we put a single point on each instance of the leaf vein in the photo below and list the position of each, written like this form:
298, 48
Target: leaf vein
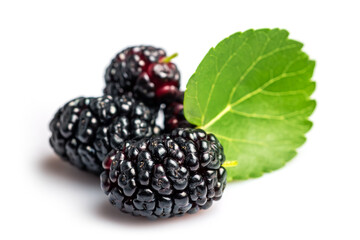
243, 140
278, 94
261, 116
219, 72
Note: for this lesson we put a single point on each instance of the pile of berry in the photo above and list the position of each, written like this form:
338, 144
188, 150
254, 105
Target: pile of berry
144, 169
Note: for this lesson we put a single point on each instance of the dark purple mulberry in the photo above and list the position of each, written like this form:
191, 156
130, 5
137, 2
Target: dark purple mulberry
144, 72
85, 129
174, 114
166, 175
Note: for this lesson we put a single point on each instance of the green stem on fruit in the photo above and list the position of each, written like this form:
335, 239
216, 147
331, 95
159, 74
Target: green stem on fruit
169, 58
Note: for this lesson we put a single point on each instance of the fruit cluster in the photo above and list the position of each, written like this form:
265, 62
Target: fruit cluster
144, 169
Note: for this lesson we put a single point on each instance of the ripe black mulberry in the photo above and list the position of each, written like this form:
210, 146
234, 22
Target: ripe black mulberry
166, 175
143, 71
85, 129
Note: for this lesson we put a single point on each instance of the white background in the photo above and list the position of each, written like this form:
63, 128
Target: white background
53, 52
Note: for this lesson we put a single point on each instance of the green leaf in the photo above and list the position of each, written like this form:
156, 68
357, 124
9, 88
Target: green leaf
252, 91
